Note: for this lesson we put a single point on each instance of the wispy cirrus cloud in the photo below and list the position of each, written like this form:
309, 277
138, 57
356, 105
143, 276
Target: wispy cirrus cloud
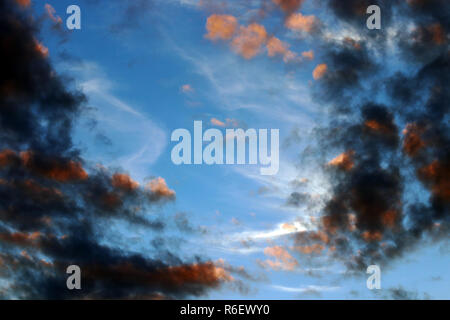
115, 118
306, 289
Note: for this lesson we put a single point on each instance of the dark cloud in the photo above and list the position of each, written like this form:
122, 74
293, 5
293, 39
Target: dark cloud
54, 208
297, 199
354, 11
400, 293
347, 68
390, 149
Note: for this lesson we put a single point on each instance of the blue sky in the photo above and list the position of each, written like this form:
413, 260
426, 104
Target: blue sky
134, 79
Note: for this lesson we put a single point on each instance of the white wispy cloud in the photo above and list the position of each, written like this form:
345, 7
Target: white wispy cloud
137, 140
307, 289
278, 231
243, 85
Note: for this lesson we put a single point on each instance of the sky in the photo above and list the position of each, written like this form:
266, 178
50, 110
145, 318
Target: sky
363, 170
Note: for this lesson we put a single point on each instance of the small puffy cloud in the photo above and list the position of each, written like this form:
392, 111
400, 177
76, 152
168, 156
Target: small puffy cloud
249, 40
289, 226
220, 27
284, 260
277, 252
160, 189
319, 71
277, 47
186, 88
299, 22
308, 54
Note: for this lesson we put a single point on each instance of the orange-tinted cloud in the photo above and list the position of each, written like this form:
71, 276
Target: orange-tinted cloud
110, 201
277, 47
288, 226
229, 122
206, 274
389, 218
355, 44
62, 171
51, 14
371, 236
312, 236
319, 71
437, 176
308, 54
311, 242
39, 47
20, 238
284, 259
186, 88
40, 193
159, 187
56, 169
314, 248
7, 157
438, 34
343, 161
217, 122
124, 182
288, 6
23, 3
385, 128
220, 27
299, 22
412, 141
249, 40
434, 34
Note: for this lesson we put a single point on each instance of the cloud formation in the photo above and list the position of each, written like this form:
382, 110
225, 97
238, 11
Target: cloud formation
221, 27
319, 71
250, 41
55, 207
299, 22
288, 6
283, 259
373, 214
